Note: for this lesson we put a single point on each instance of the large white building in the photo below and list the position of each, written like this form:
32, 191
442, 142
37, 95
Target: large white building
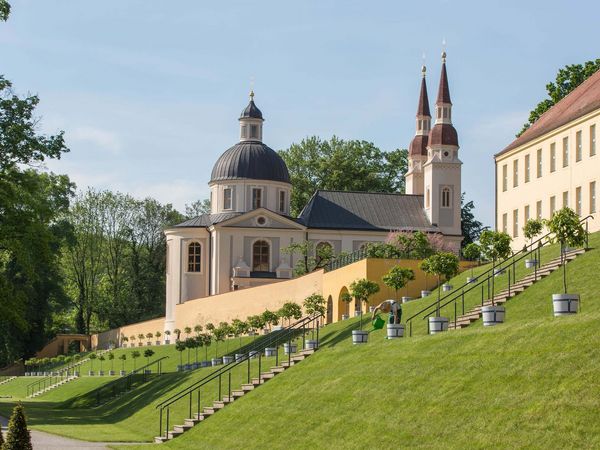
239, 244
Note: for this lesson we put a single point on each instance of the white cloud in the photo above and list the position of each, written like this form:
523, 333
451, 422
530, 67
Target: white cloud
97, 137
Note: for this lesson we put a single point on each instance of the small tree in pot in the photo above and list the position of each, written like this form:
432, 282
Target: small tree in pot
135, 355
158, 334
101, 358
494, 245
180, 347
92, 357
314, 304
361, 290
177, 333
443, 264
566, 228
167, 336
397, 278
123, 358
532, 228
346, 298
124, 340
472, 252
148, 353
270, 318
239, 328
149, 337
111, 358
140, 339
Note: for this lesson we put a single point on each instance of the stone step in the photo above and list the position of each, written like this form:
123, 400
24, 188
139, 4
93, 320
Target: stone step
237, 394
218, 405
173, 434
267, 375
256, 381
183, 428
207, 411
192, 422
160, 439
247, 387
278, 369
228, 399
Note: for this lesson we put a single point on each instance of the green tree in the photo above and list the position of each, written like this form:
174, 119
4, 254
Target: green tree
443, 264
361, 290
135, 355
346, 297
397, 278
180, 347
289, 311
92, 358
111, 358
567, 79
101, 358
342, 165
190, 343
311, 257
566, 228
123, 358
472, 252
494, 245
4, 10
18, 437
239, 328
532, 228
148, 353
270, 318
197, 208
315, 304
470, 226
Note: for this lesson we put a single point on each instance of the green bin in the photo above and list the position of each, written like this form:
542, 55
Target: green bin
378, 323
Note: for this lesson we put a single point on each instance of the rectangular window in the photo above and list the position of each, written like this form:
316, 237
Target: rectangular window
552, 205
504, 223
578, 147
538, 210
565, 199
578, 200
244, 132
282, 201
526, 217
256, 198
565, 152
253, 131
516, 223
592, 197
504, 178
539, 163
553, 157
227, 198
515, 173
527, 168
592, 140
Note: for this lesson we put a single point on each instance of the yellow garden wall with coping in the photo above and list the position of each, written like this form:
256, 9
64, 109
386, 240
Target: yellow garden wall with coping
243, 303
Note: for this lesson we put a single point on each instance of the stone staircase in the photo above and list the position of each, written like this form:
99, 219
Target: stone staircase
8, 380
53, 386
235, 394
502, 297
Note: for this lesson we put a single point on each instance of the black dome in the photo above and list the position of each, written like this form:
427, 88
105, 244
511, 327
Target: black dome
250, 159
251, 111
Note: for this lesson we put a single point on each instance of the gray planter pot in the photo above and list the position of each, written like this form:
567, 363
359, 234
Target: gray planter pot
196, 365
270, 352
360, 337
425, 294
91, 373
101, 373
216, 361
565, 304
157, 343
356, 313
253, 354
180, 368
187, 367
395, 330
345, 316
311, 344
111, 373
471, 280
148, 344
167, 341
227, 359
438, 325
147, 371
406, 299
205, 364
530, 263
447, 287
290, 348
76, 374
239, 356
123, 373
492, 315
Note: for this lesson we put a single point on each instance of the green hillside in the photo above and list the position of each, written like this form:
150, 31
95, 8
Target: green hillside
530, 383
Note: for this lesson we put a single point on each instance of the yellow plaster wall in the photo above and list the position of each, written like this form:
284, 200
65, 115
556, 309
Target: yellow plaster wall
102, 340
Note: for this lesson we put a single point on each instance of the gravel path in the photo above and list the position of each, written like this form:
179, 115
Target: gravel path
47, 441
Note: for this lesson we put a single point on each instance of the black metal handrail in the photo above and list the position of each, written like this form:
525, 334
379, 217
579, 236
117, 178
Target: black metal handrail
283, 336
485, 277
40, 385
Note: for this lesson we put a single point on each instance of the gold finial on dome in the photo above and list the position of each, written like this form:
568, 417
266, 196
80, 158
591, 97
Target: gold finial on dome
444, 50
423, 67
251, 94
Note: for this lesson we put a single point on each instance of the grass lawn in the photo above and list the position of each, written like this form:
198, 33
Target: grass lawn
529, 383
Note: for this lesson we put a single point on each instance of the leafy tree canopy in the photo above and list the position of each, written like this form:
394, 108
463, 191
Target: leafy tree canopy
337, 164
567, 79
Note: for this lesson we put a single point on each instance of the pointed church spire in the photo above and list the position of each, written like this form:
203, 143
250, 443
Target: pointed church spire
443, 90
423, 108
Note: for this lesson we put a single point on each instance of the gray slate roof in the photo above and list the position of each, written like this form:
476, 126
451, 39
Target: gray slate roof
206, 220
365, 211
250, 160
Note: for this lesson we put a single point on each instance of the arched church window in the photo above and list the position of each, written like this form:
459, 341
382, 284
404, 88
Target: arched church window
260, 256
446, 197
194, 257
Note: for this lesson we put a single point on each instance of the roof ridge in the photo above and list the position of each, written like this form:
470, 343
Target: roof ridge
399, 194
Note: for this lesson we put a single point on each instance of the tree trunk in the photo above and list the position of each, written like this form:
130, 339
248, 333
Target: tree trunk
439, 296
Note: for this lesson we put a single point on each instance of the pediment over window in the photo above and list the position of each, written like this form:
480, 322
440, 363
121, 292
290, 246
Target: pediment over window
262, 218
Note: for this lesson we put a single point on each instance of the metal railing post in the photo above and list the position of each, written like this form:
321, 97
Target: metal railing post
248, 368
259, 365
160, 423
229, 388
167, 428
190, 405
220, 398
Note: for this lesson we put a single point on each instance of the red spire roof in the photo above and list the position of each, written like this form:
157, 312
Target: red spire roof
443, 90
423, 108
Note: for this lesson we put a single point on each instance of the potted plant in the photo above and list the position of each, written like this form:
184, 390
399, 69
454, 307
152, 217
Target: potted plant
314, 304
271, 319
565, 228
158, 334
92, 357
101, 358
187, 331
361, 290
167, 337
135, 355
472, 252
149, 337
346, 298
148, 353
111, 358
124, 341
132, 340
494, 245
423, 266
207, 341
140, 339
440, 264
219, 334
180, 347
239, 327
397, 278
177, 333
123, 358
532, 228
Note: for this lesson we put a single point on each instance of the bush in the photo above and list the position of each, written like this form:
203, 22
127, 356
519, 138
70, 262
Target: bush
18, 437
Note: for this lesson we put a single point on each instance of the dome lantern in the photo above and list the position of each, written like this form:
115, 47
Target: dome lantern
251, 122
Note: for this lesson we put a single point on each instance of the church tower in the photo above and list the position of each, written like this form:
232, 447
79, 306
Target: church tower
442, 170
417, 152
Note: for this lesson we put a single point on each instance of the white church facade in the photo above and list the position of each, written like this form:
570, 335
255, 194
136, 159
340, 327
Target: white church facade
239, 244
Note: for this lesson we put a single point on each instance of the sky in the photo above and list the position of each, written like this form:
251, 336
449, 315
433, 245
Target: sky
148, 93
